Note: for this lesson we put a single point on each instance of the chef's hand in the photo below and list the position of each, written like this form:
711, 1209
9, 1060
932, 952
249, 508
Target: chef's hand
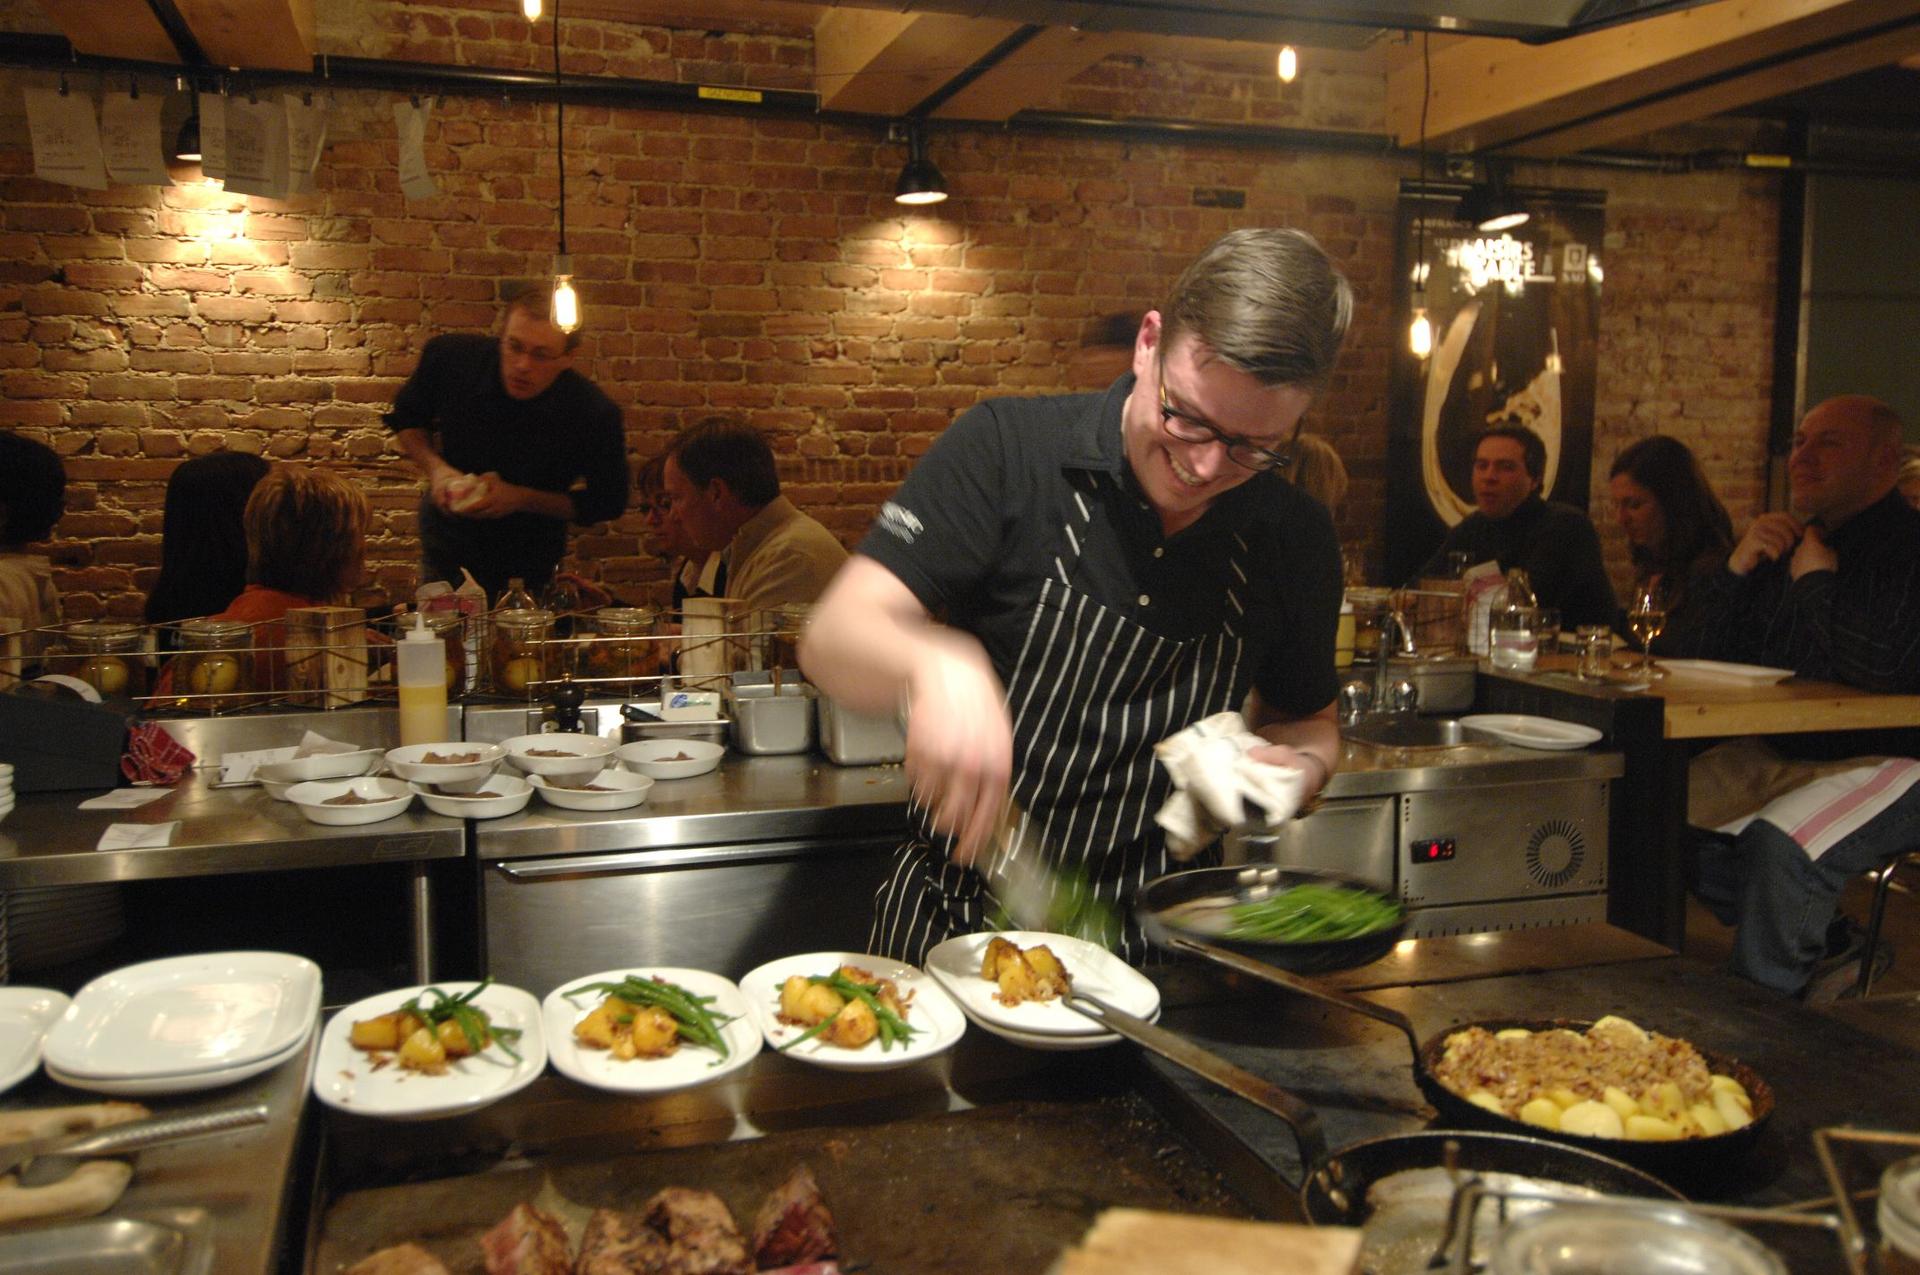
1813, 553
1297, 759
440, 486
498, 498
1770, 538
959, 742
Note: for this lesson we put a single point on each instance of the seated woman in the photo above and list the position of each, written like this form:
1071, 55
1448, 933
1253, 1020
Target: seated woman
1677, 529
306, 546
203, 542
33, 495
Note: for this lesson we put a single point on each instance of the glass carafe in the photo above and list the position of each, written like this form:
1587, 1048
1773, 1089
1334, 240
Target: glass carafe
623, 644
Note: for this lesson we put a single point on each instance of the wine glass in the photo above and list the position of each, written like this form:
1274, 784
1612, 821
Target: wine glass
1646, 621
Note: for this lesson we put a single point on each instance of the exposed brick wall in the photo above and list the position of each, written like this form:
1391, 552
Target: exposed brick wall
756, 266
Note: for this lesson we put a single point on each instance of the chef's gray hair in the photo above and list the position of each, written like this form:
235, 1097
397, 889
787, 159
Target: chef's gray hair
1269, 302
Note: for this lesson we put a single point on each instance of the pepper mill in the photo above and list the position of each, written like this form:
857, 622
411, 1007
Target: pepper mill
566, 701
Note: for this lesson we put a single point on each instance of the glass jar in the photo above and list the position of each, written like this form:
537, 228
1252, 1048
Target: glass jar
522, 650
1370, 607
214, 669
623, 644
1899, 1218
451, 628
106, 654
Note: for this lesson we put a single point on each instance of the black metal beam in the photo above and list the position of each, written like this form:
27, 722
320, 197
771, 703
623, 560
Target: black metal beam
179, 32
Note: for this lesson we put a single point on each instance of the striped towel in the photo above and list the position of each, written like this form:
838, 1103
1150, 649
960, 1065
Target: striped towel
1821, 814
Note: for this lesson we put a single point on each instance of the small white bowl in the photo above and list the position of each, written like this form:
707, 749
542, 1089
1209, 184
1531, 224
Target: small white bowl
385, 799
498, 795
406, 763
628, 790
585, 754
278, 788
319, 766
650, 757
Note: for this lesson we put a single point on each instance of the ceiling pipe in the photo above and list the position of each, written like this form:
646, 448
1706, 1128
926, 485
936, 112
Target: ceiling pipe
55, 53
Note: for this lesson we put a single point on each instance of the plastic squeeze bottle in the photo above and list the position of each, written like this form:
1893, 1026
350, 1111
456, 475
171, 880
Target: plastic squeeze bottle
423, 685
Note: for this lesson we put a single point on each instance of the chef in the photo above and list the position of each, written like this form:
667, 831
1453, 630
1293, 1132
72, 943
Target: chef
1107, 569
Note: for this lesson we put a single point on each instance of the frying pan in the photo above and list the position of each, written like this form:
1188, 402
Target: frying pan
1333, 1187
1690, 1160
1163, 905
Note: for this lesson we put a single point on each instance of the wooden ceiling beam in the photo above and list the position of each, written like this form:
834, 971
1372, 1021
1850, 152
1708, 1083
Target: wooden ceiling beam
277, 34
887, 63
112, 29
1033, 73
1486, 93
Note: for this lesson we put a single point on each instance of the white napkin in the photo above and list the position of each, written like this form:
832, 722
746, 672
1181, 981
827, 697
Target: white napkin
1214, 779
314, 744
124, 799
137, 836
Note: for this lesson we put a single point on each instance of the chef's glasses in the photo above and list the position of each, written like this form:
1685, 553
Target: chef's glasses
1243, 452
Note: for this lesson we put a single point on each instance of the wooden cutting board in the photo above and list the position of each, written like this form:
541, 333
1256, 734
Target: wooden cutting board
1139, 1242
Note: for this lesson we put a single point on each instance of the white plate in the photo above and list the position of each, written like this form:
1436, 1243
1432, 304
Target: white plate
319, 766
405, 762
629, 789
585, 753
497, 795
686, 1066
651, 757
1532, 732
1052, 1044
189, 1082
1724, 671
25, 1015
345, 1079
385, 799
1096, 971
186, 1014
931, 1010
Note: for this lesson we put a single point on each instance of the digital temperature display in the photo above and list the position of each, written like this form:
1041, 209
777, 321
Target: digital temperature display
1434, 850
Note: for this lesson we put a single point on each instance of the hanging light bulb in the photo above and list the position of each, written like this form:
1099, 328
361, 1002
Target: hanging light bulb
1288, 64
1420, 332
531, 8
566, 302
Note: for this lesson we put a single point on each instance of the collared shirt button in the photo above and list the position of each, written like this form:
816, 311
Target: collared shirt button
1159, 552
1144, 599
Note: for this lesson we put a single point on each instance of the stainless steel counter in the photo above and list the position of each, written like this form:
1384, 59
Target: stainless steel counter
1367, 770
797, 797
47, 841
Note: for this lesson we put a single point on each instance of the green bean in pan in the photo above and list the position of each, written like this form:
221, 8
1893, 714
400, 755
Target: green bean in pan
692, 1018
1311, 913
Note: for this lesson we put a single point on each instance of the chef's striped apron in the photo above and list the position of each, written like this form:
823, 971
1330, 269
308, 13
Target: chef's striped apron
1090, 694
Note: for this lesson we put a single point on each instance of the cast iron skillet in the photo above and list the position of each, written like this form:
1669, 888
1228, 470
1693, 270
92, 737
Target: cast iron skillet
1334, 1185
1693, 1161
1162, 901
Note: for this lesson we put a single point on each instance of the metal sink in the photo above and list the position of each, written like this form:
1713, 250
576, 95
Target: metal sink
166, 1242
1409, 732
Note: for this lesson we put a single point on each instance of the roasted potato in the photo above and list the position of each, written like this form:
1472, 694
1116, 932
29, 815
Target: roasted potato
853, 1026
422, 1051
808, 1003
998, 950
653, 1033
455, 1042
382, 1032
600, 1028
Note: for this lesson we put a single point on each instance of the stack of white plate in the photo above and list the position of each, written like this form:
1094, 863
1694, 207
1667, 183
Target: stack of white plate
185, 1023
1043, 1024
6, 789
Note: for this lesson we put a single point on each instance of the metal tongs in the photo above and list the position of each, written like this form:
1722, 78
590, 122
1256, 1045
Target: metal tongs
136, 1135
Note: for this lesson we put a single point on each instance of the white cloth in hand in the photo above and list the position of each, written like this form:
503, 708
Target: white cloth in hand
1214, 779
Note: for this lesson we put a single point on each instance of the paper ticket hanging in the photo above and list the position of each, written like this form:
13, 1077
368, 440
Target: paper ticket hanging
410, 120
66, 138
306, 139
213, 135
130, 136
256, 148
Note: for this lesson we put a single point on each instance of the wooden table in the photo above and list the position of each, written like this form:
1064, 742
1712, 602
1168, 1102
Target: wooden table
1659, 729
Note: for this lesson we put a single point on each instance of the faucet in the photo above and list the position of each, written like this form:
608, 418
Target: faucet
1361, 702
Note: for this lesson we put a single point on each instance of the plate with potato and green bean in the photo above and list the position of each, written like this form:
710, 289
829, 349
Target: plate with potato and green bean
852, 1012
648, 1029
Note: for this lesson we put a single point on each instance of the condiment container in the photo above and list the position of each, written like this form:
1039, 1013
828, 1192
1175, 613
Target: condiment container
106, 654
859, 739
422, 678
623, 644
769, 719
521, 650
215, 664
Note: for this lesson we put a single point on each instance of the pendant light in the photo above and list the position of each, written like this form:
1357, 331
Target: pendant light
1420, 331
186, 144
532, 9
1287, 65
920, 182
565, 310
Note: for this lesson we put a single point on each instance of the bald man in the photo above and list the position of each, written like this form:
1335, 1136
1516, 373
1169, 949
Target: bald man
1831, 589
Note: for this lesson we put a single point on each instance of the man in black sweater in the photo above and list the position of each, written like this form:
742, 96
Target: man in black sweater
1556, 543
514, 445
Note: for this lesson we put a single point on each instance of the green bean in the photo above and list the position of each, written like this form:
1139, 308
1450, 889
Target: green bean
1312, 913
472, 1020
691, 1017
892, 1029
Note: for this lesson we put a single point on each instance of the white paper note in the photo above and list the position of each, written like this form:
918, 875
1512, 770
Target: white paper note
314, 744
137, 836
130, 136
256, 148
124, 799
238, 768
66, 138
306, 139
410, 120
213, 135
